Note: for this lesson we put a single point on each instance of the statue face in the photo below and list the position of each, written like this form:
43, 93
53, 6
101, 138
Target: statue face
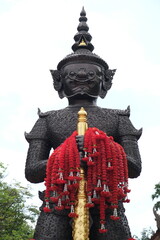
82, 79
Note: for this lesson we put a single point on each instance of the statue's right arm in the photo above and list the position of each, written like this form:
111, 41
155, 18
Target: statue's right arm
38, 152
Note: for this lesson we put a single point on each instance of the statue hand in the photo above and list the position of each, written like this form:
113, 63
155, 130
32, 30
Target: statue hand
80, 142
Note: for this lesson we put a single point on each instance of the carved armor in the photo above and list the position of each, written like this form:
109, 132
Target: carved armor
51, 129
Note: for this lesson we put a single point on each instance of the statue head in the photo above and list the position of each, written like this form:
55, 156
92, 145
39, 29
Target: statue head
82, 72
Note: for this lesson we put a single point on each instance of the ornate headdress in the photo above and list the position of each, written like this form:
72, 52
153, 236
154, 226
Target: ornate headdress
82, 52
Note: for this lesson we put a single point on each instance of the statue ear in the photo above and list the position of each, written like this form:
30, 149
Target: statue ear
109, 74
107, 82
56, 79
57, 82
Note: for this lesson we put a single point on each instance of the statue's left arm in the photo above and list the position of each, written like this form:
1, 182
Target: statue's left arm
128, 138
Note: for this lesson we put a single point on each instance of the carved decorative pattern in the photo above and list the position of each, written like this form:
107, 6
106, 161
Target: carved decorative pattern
50, 131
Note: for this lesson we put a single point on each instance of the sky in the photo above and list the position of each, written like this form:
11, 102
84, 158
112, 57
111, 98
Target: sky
36, 34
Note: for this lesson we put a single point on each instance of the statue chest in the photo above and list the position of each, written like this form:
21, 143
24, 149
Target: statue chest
61, 124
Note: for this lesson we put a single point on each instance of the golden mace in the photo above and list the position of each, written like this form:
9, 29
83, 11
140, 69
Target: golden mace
81, 223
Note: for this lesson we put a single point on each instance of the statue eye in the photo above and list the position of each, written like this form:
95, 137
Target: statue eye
72, 74
91, 74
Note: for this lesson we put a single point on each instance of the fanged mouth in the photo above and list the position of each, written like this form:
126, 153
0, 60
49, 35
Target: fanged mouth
81, 91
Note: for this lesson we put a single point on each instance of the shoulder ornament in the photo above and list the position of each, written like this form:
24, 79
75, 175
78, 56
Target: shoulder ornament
45, 114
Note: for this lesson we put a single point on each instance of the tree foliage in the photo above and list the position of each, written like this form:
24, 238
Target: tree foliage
147, 233
16, 217
156, 195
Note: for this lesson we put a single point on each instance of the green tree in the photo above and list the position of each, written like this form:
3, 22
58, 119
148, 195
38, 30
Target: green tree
147, 233
156, 195
16, 216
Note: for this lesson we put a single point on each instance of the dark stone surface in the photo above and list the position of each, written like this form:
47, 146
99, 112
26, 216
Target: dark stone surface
81, 77
51, 129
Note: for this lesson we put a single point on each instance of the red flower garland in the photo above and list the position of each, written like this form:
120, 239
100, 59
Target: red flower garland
107, 175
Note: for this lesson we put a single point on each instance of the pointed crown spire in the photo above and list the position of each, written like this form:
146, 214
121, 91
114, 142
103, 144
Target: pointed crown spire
82, 48
82, 37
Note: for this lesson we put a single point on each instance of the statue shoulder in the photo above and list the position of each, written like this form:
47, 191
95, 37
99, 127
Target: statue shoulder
125, 126
118, 112
125, 112
45, 114
40, 128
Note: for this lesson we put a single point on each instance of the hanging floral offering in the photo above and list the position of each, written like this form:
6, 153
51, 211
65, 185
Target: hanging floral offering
107, 175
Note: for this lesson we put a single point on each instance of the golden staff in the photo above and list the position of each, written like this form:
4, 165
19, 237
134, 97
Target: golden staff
81, 223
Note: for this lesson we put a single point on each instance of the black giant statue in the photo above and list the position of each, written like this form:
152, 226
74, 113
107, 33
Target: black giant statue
81, 77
